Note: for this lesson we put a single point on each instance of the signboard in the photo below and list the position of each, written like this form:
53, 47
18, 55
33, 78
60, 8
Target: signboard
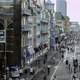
2, 36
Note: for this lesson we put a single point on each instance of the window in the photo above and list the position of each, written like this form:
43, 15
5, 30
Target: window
24, 5
23, 20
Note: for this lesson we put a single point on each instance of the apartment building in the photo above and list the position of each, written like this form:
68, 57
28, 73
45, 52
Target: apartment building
37, 34
10, 30
35, 31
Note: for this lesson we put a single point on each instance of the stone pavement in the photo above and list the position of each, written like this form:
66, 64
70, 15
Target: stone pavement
43, 70
62, 72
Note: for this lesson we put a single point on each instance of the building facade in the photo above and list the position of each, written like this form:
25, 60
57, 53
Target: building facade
74, 26
61, 6
10, 50
35, 30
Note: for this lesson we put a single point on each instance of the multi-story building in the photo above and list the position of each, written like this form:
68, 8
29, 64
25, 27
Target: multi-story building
61, 6
45, 27
26, 28
62, 22
50, 7
74, 26
59, 22
31, 31
10, 51
36, 31
66, 24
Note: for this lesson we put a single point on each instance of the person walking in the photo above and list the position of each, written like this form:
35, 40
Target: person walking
54, 77
45, 78
67, 63
48, 69
69, 66
74, 77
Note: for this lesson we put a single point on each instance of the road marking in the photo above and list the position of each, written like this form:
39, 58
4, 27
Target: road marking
56, 68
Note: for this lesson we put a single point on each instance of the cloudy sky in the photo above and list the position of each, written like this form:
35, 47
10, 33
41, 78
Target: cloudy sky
73, 9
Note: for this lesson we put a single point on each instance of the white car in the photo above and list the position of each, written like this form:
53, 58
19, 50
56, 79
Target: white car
14, 72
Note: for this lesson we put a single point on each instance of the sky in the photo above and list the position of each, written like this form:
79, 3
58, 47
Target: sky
73, 9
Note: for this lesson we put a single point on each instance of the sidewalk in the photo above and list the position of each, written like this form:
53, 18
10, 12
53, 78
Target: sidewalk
39, 71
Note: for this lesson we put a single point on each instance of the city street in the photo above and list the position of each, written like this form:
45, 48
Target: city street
39, 40
62, 72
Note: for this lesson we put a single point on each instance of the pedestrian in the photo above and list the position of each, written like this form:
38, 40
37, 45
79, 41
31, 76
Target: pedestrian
62, 56
54, 77
74, 77
21, 72
44, 61
10, 78
44, 77
46, 56
67, 62
68, 48
48, 71
48, 68
31, 71
79, 67
69, 66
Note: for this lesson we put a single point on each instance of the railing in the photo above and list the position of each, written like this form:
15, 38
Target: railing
26, 27
9, 10
45, 20
26, 11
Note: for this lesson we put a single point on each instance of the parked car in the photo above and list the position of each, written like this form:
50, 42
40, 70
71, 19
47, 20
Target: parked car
14, 72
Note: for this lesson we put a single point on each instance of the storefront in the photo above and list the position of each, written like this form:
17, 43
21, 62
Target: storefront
10, 13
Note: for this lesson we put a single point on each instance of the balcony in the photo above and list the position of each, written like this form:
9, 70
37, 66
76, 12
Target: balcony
45, 20
38, 21
44, 32
44, 29
26, 11
30, 36
6, 12
38, 10
26, 28
38, 34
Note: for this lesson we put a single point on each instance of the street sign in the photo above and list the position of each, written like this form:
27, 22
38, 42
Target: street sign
2, 36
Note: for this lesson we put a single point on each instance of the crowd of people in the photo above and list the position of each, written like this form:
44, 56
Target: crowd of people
69, 44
